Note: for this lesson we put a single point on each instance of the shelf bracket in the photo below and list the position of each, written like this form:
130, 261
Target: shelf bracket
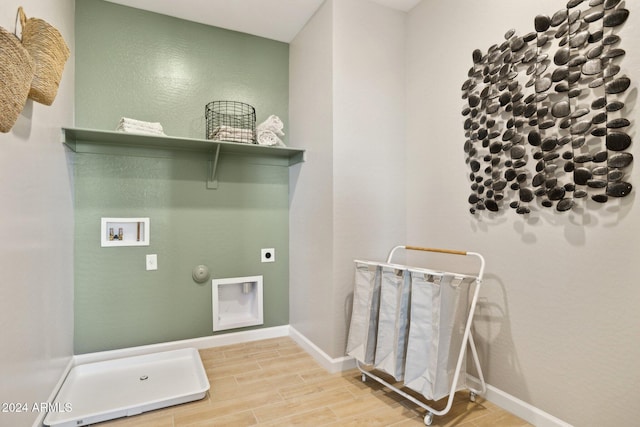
212, 178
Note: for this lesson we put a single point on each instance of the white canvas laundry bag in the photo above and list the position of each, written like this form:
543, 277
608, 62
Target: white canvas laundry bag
438, 317
393, 321
454, 299
361, 342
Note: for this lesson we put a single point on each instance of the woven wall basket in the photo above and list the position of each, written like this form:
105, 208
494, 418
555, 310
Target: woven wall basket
16, 73
49, 52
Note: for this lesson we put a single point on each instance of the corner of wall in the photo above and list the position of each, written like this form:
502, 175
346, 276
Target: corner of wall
36, 257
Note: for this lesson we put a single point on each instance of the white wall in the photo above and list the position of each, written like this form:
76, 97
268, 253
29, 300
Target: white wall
347, 201
558, 324
311, 183
369, 154
36, 254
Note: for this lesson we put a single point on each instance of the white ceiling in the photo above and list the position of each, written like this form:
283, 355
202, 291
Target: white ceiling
274, 19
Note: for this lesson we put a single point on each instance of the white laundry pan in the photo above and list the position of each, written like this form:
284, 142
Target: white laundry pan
117, 388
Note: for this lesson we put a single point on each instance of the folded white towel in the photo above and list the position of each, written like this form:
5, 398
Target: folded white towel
140, 124
269, 138
233, 134
136, 129
273, 123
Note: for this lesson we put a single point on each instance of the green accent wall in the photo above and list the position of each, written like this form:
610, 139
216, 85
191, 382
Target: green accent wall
157, 68
153, 67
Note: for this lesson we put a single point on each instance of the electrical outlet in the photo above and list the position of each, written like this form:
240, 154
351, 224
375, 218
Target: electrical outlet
268, 255
152, 262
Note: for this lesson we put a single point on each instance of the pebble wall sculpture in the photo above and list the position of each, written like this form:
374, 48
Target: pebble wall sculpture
544, 121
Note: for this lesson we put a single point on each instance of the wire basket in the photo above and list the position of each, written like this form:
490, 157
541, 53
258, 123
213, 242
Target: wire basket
230, 121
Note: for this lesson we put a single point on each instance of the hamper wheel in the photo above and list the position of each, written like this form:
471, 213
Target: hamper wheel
428, 419
472, 396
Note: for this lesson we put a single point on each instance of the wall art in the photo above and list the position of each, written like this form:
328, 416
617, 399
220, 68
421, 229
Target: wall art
544, 113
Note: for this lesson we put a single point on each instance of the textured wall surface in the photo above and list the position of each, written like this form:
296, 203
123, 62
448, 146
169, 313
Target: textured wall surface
152, 67
36, 254
557, 324
349, 202
311, 198
369, 161
120, 304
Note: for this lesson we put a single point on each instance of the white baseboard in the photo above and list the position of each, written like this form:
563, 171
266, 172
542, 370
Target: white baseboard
504, 400
198, 343
512, 404
331, 364
522, 409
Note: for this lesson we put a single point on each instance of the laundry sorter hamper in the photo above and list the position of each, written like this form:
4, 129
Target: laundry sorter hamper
415, 325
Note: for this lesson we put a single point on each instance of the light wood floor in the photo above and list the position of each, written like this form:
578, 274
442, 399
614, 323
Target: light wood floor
275, 383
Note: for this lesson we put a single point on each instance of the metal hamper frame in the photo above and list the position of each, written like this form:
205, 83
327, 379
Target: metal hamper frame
467, 338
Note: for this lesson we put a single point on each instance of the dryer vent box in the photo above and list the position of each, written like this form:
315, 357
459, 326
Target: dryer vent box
237, 302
